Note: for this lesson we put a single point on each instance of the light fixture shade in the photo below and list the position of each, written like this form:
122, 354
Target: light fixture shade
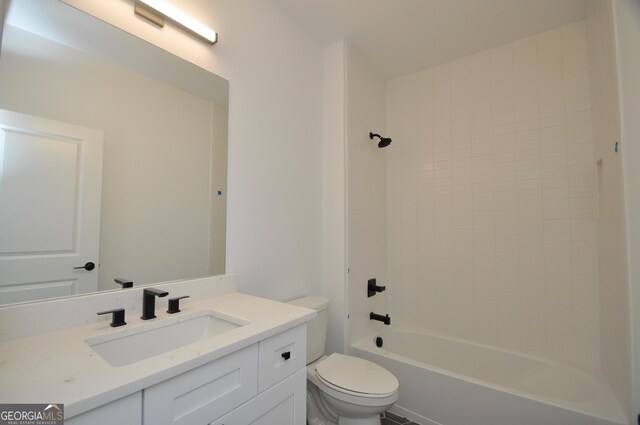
182, 19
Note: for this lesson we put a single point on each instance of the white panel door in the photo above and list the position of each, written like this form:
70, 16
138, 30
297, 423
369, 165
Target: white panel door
50, 191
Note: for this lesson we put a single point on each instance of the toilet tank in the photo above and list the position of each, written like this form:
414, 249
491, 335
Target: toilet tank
316, 328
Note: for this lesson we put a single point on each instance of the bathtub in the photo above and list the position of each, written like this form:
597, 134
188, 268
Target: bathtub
454, 382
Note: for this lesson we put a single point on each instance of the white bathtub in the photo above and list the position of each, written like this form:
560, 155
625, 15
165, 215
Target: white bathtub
453, 382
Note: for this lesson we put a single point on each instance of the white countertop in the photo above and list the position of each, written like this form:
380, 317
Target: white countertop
59, 367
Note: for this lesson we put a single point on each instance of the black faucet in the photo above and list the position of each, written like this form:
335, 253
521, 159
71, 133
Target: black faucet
125, 283
385, 319
149, 302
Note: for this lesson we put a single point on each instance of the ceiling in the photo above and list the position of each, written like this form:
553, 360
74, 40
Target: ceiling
399, 37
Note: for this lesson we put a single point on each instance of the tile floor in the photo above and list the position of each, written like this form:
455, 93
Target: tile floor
391, 419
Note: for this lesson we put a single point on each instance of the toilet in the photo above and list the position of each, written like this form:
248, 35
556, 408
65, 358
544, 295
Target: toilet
342, 390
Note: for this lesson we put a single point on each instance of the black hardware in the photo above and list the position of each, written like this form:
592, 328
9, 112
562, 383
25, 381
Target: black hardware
125, 283
149, 302
286, 355
379, 342
88, 266
373, 288
174, 304
385, 319
118, 317
384, 141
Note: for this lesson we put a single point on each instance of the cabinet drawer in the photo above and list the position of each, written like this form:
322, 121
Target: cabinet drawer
283, 404
282, 355
205, 393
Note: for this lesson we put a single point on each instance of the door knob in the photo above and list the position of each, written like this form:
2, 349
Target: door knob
88, 266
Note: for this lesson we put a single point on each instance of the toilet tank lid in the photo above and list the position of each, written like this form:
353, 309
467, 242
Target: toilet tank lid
312, 302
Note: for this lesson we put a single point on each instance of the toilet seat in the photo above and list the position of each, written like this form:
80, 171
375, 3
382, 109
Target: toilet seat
356, 377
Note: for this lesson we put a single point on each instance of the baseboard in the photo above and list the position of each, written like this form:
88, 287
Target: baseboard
401, 411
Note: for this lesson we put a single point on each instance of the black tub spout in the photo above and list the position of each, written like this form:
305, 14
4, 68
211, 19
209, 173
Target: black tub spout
384, 319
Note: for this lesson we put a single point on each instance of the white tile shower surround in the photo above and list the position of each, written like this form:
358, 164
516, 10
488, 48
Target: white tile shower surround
492, 232
614, 307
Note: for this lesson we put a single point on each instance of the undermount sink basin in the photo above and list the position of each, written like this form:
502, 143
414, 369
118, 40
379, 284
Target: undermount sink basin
123, 347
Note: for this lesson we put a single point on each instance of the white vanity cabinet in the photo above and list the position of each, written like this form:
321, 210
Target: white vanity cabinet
252, 373
263, 383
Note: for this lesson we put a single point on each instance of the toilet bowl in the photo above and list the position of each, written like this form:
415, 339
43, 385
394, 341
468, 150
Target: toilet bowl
341, 389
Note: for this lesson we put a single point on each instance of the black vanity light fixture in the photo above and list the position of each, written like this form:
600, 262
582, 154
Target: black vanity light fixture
156, 11
384, 141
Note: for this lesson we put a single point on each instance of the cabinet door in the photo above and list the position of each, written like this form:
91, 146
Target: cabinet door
283, 404
205, 393
125, 411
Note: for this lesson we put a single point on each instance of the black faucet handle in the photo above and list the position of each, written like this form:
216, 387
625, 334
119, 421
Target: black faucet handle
117, 318
373, 288
174, 304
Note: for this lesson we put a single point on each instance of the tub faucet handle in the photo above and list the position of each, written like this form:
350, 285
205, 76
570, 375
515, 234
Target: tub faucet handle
373, 288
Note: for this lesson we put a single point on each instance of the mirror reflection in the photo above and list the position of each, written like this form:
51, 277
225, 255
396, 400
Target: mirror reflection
159, 202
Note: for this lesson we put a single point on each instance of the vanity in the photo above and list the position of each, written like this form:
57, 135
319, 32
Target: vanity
225, 358
152, 183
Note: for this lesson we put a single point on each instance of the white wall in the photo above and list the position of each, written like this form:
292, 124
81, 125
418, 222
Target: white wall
627, 27
491, 198
366, 195
614, 308
334, 207
274, 215
147, 234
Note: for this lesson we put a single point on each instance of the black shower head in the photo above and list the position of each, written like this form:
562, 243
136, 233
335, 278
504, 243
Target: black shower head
384, 141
